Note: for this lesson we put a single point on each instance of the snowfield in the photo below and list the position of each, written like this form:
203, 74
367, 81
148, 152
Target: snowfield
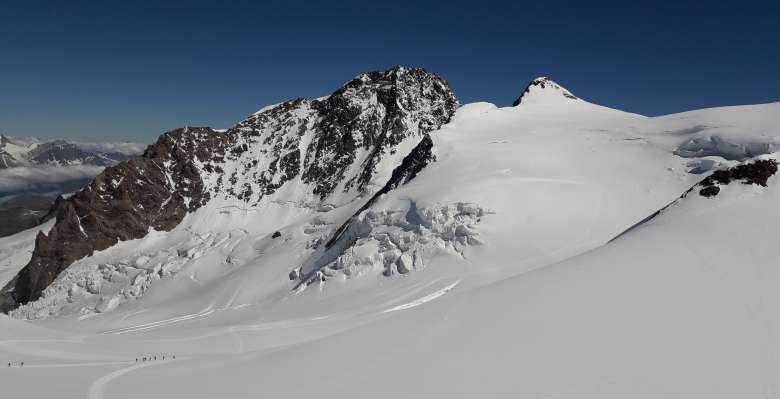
495, 272
16, 250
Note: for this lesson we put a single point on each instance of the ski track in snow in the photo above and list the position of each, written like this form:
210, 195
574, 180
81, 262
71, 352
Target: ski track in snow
98, 387
427, 298
61, 365
160, 323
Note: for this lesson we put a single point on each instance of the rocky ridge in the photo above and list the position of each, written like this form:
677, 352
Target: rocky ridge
317, 152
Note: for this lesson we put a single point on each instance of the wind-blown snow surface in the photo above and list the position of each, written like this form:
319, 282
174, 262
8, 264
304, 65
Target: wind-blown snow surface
683, 305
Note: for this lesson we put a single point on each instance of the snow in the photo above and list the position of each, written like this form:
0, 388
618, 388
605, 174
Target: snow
504, 281
16, 251
394, 241
19, 151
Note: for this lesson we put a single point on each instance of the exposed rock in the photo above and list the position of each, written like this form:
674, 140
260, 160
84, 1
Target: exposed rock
154, 191
357, 226
45, 175
332, 146
412, 164
757, 172
361, 124
750, 173
709, 191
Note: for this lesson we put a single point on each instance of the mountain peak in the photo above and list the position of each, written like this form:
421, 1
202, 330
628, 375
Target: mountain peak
330, 151
543, 86
396, 70
397, 77
393, 81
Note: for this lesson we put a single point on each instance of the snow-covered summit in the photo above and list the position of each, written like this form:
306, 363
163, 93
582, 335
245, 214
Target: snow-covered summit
543, 88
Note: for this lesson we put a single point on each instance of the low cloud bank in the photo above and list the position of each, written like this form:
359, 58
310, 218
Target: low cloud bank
129, 149
45, 178
126, 148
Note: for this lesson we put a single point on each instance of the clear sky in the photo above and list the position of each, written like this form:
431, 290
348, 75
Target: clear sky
129, 70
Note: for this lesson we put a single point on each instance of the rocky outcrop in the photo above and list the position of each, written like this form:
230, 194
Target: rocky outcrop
757, 172
375, 112
329, 148
354, 227
44, 169
412, 164
360, 127
152, 191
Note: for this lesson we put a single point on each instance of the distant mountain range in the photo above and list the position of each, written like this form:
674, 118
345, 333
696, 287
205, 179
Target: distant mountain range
34, 171
25, 151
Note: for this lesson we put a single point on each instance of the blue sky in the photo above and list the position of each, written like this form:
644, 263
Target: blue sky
127, 71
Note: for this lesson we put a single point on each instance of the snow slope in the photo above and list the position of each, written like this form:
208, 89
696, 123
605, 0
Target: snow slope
16, 250
518, 290
546, 183
669, 310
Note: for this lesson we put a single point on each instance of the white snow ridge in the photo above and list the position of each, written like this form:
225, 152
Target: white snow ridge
387, 242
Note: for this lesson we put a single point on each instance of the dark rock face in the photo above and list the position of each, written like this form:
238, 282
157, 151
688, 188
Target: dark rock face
374, 112
155, 191
416, 161
22, 207
363, 121
24, 202
420, 157
275, 136
337, 141
709, 191
750, 173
